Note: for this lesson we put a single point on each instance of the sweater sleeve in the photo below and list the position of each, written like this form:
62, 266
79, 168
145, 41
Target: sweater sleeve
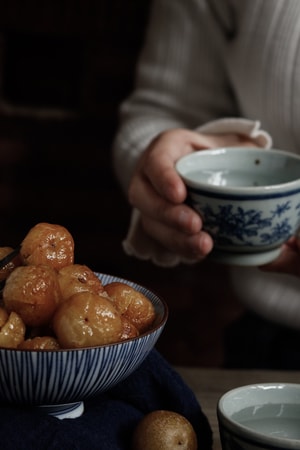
181, 80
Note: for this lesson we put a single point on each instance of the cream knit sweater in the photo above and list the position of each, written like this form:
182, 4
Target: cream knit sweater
204, 60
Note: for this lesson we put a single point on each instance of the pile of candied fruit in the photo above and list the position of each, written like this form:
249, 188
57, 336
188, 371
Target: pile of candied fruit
48, 302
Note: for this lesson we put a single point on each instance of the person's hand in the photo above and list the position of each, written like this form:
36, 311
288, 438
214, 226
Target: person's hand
289, 259
158, 192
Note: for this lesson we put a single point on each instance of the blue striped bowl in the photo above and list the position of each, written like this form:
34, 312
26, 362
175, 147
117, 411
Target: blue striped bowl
60, 380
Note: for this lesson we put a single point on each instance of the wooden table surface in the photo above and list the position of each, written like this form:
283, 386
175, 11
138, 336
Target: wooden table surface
209, 384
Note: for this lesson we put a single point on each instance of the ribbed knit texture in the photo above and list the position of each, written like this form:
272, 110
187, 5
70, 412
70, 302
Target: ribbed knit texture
237, 58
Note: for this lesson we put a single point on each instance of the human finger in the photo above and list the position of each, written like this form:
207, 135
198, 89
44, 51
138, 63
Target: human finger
158, 163
178, 216
195, 246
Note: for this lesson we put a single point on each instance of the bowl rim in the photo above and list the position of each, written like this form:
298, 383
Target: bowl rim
155, 328
245, 432
288, 187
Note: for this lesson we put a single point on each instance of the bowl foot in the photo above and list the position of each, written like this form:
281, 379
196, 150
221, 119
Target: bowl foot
64, 411
244, 259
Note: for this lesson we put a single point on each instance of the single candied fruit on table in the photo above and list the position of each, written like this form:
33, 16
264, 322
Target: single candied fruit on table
164, 430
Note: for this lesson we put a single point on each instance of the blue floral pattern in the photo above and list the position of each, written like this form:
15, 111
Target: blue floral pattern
230, 224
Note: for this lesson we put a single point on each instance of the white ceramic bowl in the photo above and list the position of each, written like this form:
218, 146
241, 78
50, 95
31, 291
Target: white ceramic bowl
260, 416
249, 200
59, 381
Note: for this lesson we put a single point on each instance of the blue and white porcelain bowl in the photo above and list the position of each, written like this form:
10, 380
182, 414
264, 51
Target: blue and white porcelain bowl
249, 199
59, 381
260, 416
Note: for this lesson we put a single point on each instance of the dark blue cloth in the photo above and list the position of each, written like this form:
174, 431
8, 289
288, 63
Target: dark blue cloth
108, 420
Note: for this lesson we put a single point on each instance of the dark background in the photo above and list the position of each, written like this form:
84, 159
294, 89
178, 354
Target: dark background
65, 66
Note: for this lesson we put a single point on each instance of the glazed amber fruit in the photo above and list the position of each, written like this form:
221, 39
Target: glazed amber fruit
47, 243
12, 331
87, 320
32, 292
131, 304
78, 278
129, 330
40, 343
